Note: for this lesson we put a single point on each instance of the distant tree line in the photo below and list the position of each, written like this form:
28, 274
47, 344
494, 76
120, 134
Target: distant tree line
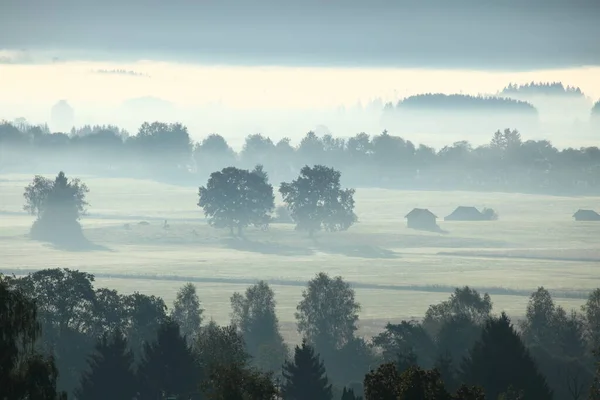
462, 102
596, 110
164, 151
542, 89
61, 337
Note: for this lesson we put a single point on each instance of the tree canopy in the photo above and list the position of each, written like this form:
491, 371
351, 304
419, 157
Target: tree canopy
237, 198
315, 200
328, 313
58, 205
305, 376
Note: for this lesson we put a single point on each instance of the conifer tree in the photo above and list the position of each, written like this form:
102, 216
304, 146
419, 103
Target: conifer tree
168, 365
499, 359
110, 374
305, 378
348, 394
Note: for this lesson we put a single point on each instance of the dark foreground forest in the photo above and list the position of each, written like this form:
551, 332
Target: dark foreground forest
61, 336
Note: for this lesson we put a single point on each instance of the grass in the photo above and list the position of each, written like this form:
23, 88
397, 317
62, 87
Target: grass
397, 272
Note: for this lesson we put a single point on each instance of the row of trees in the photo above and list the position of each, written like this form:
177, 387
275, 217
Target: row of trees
165, 151
237, 198
557, 89
98, 344
465, 103
233, 198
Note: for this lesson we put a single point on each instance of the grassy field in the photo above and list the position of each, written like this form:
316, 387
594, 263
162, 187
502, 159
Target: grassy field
397, 272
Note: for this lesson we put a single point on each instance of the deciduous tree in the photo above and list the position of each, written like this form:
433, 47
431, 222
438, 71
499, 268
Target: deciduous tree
316, 200
253, 313
187, 311
236, 198
328, 313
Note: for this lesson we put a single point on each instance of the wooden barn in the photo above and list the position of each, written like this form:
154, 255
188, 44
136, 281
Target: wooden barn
422, 218
463, 213
586, 215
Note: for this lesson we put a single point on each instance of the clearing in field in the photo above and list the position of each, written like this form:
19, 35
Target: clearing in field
397, 272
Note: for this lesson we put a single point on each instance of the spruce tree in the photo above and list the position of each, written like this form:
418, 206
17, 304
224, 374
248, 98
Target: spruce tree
168, 365
305, 378
110, 374
348, 394
499, 359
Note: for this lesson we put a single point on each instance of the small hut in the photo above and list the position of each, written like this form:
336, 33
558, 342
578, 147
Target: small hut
586, 215
422, 218
463, 213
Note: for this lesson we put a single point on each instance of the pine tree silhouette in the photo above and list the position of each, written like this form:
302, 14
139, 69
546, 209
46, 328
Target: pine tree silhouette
499, 359
348, 394
305, 378
168, 365
111, 375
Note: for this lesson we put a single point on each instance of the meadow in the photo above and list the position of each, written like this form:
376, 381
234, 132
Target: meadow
397, 272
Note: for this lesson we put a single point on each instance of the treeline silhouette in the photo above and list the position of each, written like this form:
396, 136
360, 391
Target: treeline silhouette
466, 103
542, 89
95, 343
596, 109
165, 151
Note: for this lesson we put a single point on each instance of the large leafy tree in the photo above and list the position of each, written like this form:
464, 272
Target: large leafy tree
253, 313
500, 360
168, 365
169, 143
238, 382
187, 311
328, 314
110, 372
236, 198
403, 339
387, 383
218, 346
24, 374
305, 377
465, 302
592, 317
144, 316
36, 194
58, 206
316, 200
66, 302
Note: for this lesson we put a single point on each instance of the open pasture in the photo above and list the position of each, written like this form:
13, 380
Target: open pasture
397, 272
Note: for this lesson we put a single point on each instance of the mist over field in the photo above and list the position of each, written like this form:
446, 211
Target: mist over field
277, 200
289, 101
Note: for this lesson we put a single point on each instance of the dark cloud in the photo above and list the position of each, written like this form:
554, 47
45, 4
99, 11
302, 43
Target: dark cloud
502, 34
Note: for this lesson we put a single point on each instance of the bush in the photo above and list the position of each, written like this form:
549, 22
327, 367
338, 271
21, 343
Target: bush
490, 214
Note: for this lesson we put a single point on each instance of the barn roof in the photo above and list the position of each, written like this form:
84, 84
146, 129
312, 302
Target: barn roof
586, 214
418, 212
465, 212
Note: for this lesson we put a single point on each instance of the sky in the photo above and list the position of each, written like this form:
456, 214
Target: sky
190, 85
491, 35
267, 60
